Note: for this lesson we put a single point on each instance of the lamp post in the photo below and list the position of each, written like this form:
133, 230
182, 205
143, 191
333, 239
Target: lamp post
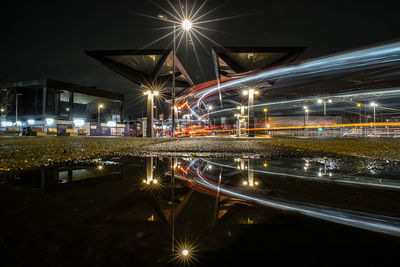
359, 105
16, 108
306, 111
99, 107
265, 120
374, 105
186, 24
209, 107
250, 105
150, 111
322, 101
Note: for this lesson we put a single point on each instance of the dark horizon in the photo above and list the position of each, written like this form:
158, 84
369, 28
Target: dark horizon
47, 39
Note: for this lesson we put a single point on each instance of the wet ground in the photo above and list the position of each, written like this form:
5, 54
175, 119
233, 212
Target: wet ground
131, 211
22, 153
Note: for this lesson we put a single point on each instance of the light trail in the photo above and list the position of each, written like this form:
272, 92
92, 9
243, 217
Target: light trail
365, 58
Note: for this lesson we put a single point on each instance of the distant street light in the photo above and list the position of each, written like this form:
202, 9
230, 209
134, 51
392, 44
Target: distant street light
322, 101
374, 105
265, 120
306, 111
100, 106
16, 108
209, 107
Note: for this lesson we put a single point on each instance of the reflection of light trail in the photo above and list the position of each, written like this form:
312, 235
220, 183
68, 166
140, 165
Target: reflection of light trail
343, 180
383, 224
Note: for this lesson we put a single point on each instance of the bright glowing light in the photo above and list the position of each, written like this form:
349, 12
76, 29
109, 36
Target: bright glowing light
101, 106
18, 123
100, 167
359, 105
330, 101
319, 101
111, 124
373, 104
185, 252
244, 182
305, 107
156, 93
79, 122
186, 24
6, 123
2, 110
31, 121
265, 110
245, 92
210, 107
49, 121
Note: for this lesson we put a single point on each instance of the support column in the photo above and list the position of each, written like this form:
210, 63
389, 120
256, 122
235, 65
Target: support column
150, 115
250, 112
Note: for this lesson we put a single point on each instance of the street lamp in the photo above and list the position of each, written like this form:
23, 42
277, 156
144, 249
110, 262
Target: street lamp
150, 111
100, 106
16, 108
374, 105
359, 105
322, 101
209, 107
250, 103
186, 25
265, 120
306, 111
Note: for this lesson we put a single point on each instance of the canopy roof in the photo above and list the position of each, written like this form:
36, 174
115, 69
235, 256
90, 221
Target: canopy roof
144, 67
232, 61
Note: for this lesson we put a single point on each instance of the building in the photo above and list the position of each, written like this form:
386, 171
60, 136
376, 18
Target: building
48, 103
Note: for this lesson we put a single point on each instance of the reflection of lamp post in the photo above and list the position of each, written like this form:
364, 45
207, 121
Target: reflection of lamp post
250, 92
150, 111
100, 106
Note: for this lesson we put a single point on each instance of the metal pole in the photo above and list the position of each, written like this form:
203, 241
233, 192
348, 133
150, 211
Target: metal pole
265, 122
250, 112
208, 116
374, 120
173, 84
16, 109
98, 114
324, 108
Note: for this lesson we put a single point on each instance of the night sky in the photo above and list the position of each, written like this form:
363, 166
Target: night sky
46, 39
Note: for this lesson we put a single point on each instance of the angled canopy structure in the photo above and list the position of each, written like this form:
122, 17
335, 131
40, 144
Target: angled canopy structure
144, 67
233, 61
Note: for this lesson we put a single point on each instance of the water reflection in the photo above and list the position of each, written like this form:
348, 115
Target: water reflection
183, 200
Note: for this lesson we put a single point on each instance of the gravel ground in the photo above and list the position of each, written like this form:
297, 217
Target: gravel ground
18, 153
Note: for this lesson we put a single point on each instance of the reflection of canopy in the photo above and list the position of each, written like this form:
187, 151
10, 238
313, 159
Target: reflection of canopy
232, 61
144, 67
